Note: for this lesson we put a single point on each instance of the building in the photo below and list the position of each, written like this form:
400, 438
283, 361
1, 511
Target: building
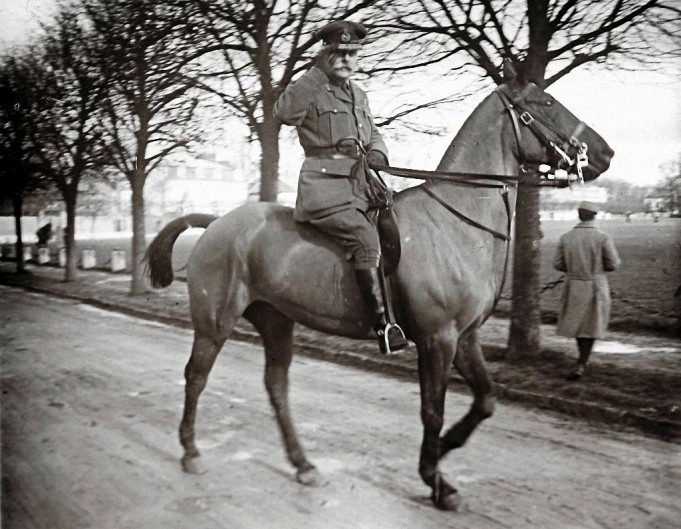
185, 184
561, 203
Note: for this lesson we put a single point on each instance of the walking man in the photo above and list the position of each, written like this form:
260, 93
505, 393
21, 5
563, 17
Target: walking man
325, 106
585, 254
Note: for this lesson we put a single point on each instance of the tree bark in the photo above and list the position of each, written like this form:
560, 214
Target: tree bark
524, 337
269, 159
138, 285
70, 238
17, 205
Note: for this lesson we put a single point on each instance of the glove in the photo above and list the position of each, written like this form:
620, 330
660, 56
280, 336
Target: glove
375, 157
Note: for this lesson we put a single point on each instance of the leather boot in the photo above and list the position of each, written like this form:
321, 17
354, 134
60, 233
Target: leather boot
370, 287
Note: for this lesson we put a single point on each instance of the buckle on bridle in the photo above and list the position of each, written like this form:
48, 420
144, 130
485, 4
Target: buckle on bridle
526, 118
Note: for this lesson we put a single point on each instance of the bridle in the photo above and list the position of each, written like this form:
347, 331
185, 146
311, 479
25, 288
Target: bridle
560, 144
554, 140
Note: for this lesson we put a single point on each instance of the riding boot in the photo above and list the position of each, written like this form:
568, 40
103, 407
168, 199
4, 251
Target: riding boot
390, 338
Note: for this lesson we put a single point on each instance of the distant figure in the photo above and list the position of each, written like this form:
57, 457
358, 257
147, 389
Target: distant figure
44, 234
628, 214
585, 253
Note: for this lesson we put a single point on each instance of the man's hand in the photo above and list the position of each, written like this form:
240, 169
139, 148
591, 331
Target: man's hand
375, 157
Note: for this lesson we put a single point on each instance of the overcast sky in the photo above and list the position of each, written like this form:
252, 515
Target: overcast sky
638, 113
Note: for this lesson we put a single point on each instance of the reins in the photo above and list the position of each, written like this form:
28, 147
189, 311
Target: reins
561, 178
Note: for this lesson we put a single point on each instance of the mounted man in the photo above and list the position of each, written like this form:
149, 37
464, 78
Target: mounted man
336, 189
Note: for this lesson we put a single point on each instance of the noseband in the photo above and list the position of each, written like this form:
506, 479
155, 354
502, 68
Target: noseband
560, 144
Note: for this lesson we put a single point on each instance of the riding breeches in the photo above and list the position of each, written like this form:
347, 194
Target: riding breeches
356, 232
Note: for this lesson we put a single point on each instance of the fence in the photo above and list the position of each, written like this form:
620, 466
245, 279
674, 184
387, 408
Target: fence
88, 258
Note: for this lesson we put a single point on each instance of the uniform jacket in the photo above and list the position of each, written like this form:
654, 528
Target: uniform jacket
323, 114
585, 253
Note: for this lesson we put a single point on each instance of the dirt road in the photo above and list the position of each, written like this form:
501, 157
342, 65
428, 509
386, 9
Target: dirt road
90, 406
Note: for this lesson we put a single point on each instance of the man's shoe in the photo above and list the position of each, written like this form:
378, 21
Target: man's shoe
577, 372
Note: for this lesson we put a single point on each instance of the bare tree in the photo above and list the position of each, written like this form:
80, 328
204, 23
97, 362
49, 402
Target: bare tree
19, 173
66, 127
548, 39
150, 107
253, 50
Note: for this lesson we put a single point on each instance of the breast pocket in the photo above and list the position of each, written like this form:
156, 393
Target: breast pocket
333, 122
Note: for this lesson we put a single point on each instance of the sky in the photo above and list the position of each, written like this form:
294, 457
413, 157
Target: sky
638, 113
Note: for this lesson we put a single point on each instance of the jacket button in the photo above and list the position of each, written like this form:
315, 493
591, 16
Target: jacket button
360, 125
323, 169
335, 110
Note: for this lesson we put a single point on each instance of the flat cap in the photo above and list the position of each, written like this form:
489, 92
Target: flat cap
342, 34
588, 206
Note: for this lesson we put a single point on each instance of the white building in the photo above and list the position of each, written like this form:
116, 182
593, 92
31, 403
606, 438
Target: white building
561, 204
184, 184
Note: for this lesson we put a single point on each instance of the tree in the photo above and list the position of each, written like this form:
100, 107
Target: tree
66, 129
150, 105
254, 49
671, 185
547, 39
624, 197
20, 170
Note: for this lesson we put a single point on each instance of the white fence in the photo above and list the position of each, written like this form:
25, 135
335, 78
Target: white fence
117, 259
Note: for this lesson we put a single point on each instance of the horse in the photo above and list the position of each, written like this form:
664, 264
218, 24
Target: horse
256, 262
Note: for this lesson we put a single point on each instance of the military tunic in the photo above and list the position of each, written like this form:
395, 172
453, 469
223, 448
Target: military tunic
327, 195
585, 253
323, 114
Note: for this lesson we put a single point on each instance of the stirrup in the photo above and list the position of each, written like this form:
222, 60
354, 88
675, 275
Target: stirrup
391, 339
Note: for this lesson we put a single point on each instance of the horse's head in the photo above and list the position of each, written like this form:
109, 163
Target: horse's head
548, 132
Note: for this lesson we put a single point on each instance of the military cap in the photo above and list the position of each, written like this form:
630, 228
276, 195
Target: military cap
588, 206
342, 34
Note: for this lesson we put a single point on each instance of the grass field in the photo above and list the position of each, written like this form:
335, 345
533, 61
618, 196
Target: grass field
642, 290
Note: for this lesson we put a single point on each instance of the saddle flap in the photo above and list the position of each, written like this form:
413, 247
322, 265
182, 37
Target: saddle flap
389, 233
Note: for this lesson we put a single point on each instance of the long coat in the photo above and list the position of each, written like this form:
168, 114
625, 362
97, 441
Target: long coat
585, 253
323, 114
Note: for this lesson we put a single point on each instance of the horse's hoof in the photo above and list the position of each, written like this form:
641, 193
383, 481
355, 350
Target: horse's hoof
311, 477
192, 465
451, 502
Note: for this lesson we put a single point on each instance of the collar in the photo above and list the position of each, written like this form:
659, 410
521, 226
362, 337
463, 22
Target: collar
586, 224
337, 91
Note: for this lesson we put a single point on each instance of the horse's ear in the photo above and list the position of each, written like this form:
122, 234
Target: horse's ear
509, 71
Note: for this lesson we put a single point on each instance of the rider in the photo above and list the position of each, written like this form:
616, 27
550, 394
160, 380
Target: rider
325, 106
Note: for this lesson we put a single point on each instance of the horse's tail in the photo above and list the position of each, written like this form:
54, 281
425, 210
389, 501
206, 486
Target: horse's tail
159, 267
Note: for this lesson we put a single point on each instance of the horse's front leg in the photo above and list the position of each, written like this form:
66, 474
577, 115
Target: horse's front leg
435, 360
470, 363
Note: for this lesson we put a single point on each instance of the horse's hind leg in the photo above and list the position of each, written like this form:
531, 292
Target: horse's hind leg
204, 352
277, 334
470, 363
435, 360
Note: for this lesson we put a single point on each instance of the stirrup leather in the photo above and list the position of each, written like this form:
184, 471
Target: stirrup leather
391, 339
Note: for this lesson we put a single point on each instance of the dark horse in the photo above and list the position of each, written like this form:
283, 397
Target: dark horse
258, 263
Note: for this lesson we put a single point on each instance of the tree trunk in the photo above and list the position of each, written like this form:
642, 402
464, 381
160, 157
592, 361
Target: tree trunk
17, 205
524, 337
138, 284
269, 159
70, 238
